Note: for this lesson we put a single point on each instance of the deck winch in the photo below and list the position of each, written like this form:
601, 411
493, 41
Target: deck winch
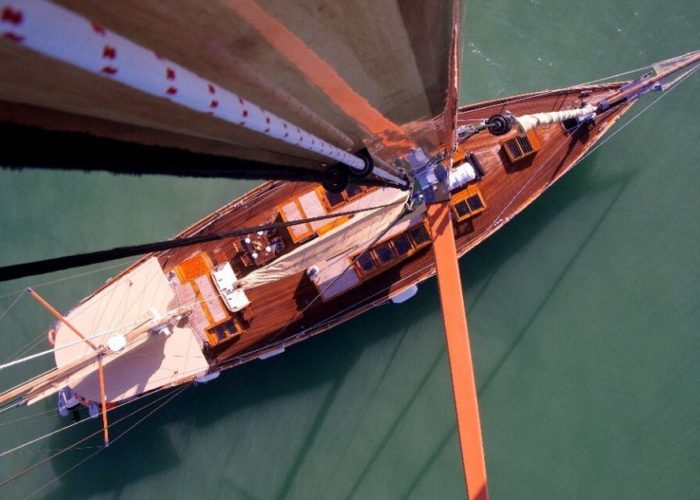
433, 181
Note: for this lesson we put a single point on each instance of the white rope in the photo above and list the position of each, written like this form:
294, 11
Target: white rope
101, 448
40, 438
497, 220
14, 302
61, 280
36, 440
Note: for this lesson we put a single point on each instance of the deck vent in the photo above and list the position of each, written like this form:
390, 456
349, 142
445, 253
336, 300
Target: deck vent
521, 147
468, 203
334, 199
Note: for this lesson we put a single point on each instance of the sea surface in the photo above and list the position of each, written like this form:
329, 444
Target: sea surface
584, 314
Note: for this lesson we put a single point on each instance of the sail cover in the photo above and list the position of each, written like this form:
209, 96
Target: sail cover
375, 74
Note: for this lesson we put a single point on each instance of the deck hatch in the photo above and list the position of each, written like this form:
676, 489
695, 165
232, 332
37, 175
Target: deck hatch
402, 244
384, 252
223, 331
467, 203
353, 190
474, 203
366, 262
392, 250
462, 209
334, 199
520, 147
420, 235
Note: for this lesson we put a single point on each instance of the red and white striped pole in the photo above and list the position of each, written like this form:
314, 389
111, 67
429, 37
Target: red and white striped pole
57, 32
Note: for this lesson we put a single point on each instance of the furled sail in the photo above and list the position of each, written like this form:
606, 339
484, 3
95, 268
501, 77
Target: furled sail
352, 236
528, 122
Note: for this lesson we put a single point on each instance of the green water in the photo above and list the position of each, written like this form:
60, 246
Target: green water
583, 313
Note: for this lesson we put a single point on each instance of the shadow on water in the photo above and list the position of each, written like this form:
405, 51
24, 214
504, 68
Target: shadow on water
619, 185
485, 261
148, 450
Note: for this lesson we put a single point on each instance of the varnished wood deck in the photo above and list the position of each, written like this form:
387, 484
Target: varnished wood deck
287, 311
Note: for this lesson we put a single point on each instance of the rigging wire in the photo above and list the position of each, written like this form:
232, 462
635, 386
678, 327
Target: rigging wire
570, 87
44, 413
31, 344
120, 405
14, 303
102, 448
61, 280
56, 431
498, 220
16, 271
169, 397
663, 94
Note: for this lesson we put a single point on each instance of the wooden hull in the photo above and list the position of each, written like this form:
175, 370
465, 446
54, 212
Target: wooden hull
286, 312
